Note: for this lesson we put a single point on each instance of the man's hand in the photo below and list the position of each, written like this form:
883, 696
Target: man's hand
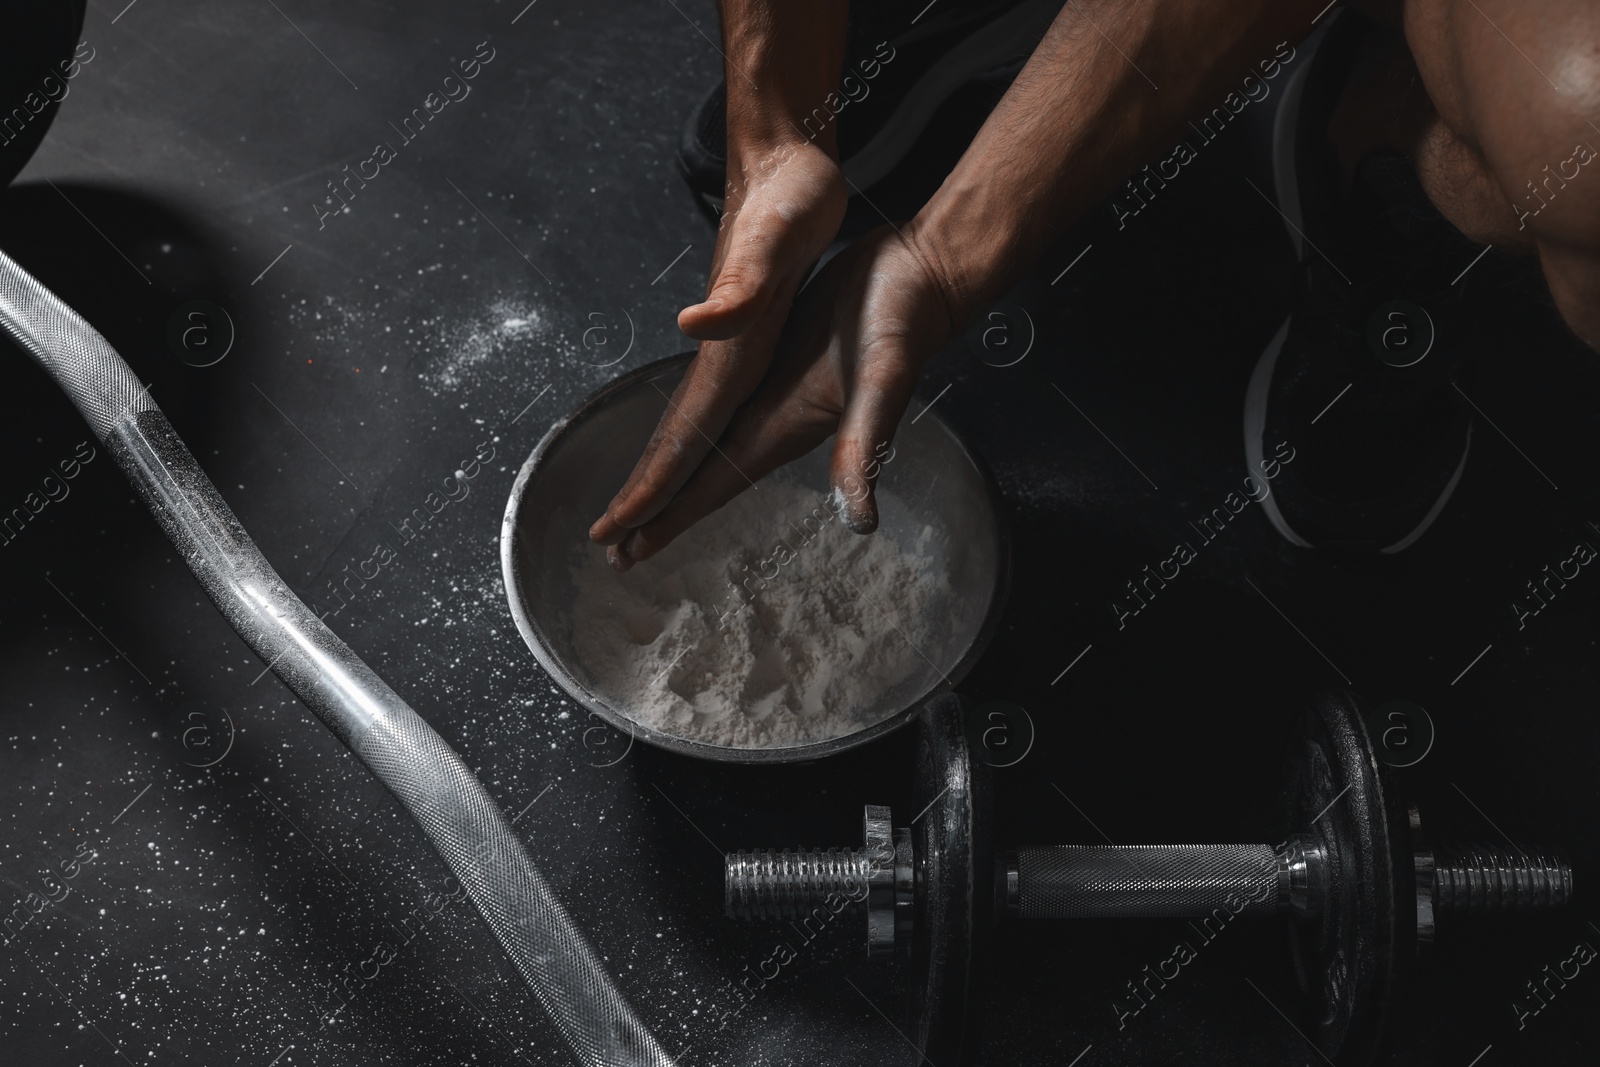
783, 209
785, 201
858, 338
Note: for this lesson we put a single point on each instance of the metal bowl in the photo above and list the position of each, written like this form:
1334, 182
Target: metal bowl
578, 466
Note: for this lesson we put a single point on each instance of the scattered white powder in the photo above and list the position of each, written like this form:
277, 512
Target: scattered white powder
820, 628
471, 344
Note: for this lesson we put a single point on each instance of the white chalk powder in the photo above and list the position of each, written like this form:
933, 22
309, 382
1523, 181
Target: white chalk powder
817, 624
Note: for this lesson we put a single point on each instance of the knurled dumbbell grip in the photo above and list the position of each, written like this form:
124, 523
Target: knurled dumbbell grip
1150, 881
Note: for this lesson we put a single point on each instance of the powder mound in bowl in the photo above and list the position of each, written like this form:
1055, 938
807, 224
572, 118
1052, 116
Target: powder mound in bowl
766, 625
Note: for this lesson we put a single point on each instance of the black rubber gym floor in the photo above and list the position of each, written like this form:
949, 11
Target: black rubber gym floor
229, 861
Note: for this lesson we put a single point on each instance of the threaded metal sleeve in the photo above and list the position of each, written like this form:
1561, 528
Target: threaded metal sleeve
766, 885
1480, 879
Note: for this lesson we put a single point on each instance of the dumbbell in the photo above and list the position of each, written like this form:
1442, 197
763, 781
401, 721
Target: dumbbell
1358, 881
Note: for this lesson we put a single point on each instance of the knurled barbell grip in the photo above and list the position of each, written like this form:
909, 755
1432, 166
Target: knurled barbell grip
1151, 881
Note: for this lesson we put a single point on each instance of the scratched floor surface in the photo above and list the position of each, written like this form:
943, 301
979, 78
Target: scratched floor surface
196, 872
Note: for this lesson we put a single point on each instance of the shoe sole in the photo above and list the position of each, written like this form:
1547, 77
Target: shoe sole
985, 50
1287, 191
1284, 143
1255, 427
1286, 188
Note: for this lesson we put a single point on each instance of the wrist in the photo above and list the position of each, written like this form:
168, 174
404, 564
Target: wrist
973, 242
783, 63
772, 122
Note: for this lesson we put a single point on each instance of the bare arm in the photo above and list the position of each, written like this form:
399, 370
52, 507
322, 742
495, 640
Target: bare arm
1084, 112
1107, 90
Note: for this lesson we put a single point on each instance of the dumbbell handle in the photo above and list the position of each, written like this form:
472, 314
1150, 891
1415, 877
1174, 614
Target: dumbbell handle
1055, 882
1155, 881
1150, 881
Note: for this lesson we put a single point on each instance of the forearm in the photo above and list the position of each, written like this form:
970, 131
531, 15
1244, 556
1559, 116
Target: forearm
1107, 89
783, 60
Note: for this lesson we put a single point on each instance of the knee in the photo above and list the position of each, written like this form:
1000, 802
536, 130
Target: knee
1519, 83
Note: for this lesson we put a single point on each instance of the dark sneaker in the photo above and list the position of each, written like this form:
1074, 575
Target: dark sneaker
900, 67
1356, 418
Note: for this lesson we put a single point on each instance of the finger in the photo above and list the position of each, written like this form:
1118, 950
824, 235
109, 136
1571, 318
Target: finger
719, 378
878, 399
765, 258
619, 557
766, 435
679, 442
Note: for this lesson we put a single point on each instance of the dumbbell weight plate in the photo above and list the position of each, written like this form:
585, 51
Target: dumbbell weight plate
1351, 962
955, 887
